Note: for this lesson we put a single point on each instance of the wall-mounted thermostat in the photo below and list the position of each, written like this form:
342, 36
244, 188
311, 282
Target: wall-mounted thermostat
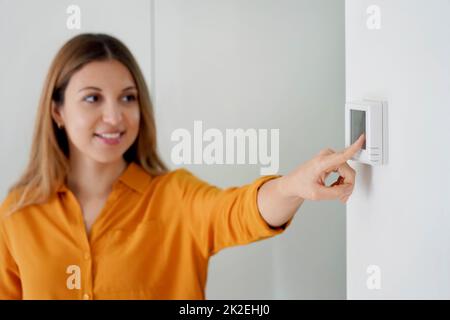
368, 117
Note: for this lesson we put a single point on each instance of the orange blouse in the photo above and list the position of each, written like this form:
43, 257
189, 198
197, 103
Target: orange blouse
152, 240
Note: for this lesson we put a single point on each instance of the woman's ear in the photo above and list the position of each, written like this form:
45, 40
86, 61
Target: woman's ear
56, 115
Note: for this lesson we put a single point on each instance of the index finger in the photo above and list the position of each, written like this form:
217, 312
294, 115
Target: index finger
350, 151
339, 158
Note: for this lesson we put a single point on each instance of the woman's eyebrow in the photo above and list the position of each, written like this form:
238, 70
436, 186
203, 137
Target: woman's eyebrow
98, 89
93, 88
129, 88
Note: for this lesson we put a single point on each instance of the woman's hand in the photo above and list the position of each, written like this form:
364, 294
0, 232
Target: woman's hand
280, 198
308, 180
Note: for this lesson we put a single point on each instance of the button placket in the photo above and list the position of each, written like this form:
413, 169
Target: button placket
87, 240
87, 269
86, 261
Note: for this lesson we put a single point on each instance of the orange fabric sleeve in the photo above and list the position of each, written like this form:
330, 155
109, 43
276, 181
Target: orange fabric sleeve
221, 218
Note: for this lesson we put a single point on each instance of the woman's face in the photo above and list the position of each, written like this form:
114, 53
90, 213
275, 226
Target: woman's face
100, 112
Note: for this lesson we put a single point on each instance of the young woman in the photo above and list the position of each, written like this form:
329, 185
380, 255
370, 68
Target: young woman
97, 215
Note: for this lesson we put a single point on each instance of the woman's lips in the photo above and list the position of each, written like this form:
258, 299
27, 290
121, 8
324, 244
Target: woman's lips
110, 138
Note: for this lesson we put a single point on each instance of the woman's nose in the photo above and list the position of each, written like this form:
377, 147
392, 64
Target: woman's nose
112, 113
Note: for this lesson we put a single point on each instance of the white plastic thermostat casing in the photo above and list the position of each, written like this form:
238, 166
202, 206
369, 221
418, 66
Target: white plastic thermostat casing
368, 117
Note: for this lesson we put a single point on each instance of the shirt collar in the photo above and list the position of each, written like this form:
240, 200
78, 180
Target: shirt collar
134, 177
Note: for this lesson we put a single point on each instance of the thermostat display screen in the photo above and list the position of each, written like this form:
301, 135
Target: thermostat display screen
358, 125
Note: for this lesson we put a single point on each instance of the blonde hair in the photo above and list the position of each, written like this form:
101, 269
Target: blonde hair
48, 163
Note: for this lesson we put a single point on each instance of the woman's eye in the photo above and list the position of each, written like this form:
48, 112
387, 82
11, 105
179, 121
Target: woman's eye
129, 98
91, 98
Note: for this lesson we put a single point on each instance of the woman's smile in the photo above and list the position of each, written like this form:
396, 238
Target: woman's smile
112, 138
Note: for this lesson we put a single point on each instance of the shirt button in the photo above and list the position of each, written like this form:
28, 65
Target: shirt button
87, 256
86, 296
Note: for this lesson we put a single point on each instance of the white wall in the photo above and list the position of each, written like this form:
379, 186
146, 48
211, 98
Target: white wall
399, 216
259, 64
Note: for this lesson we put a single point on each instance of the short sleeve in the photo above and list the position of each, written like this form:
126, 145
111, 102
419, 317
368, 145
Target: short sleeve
223, 218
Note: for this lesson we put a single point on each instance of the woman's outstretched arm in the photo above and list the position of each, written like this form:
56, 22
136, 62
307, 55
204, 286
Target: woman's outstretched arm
279, 199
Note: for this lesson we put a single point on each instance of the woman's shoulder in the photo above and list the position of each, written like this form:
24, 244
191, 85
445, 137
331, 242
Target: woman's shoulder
173, 175
9, 209
181, 179
140, 178
6, 206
